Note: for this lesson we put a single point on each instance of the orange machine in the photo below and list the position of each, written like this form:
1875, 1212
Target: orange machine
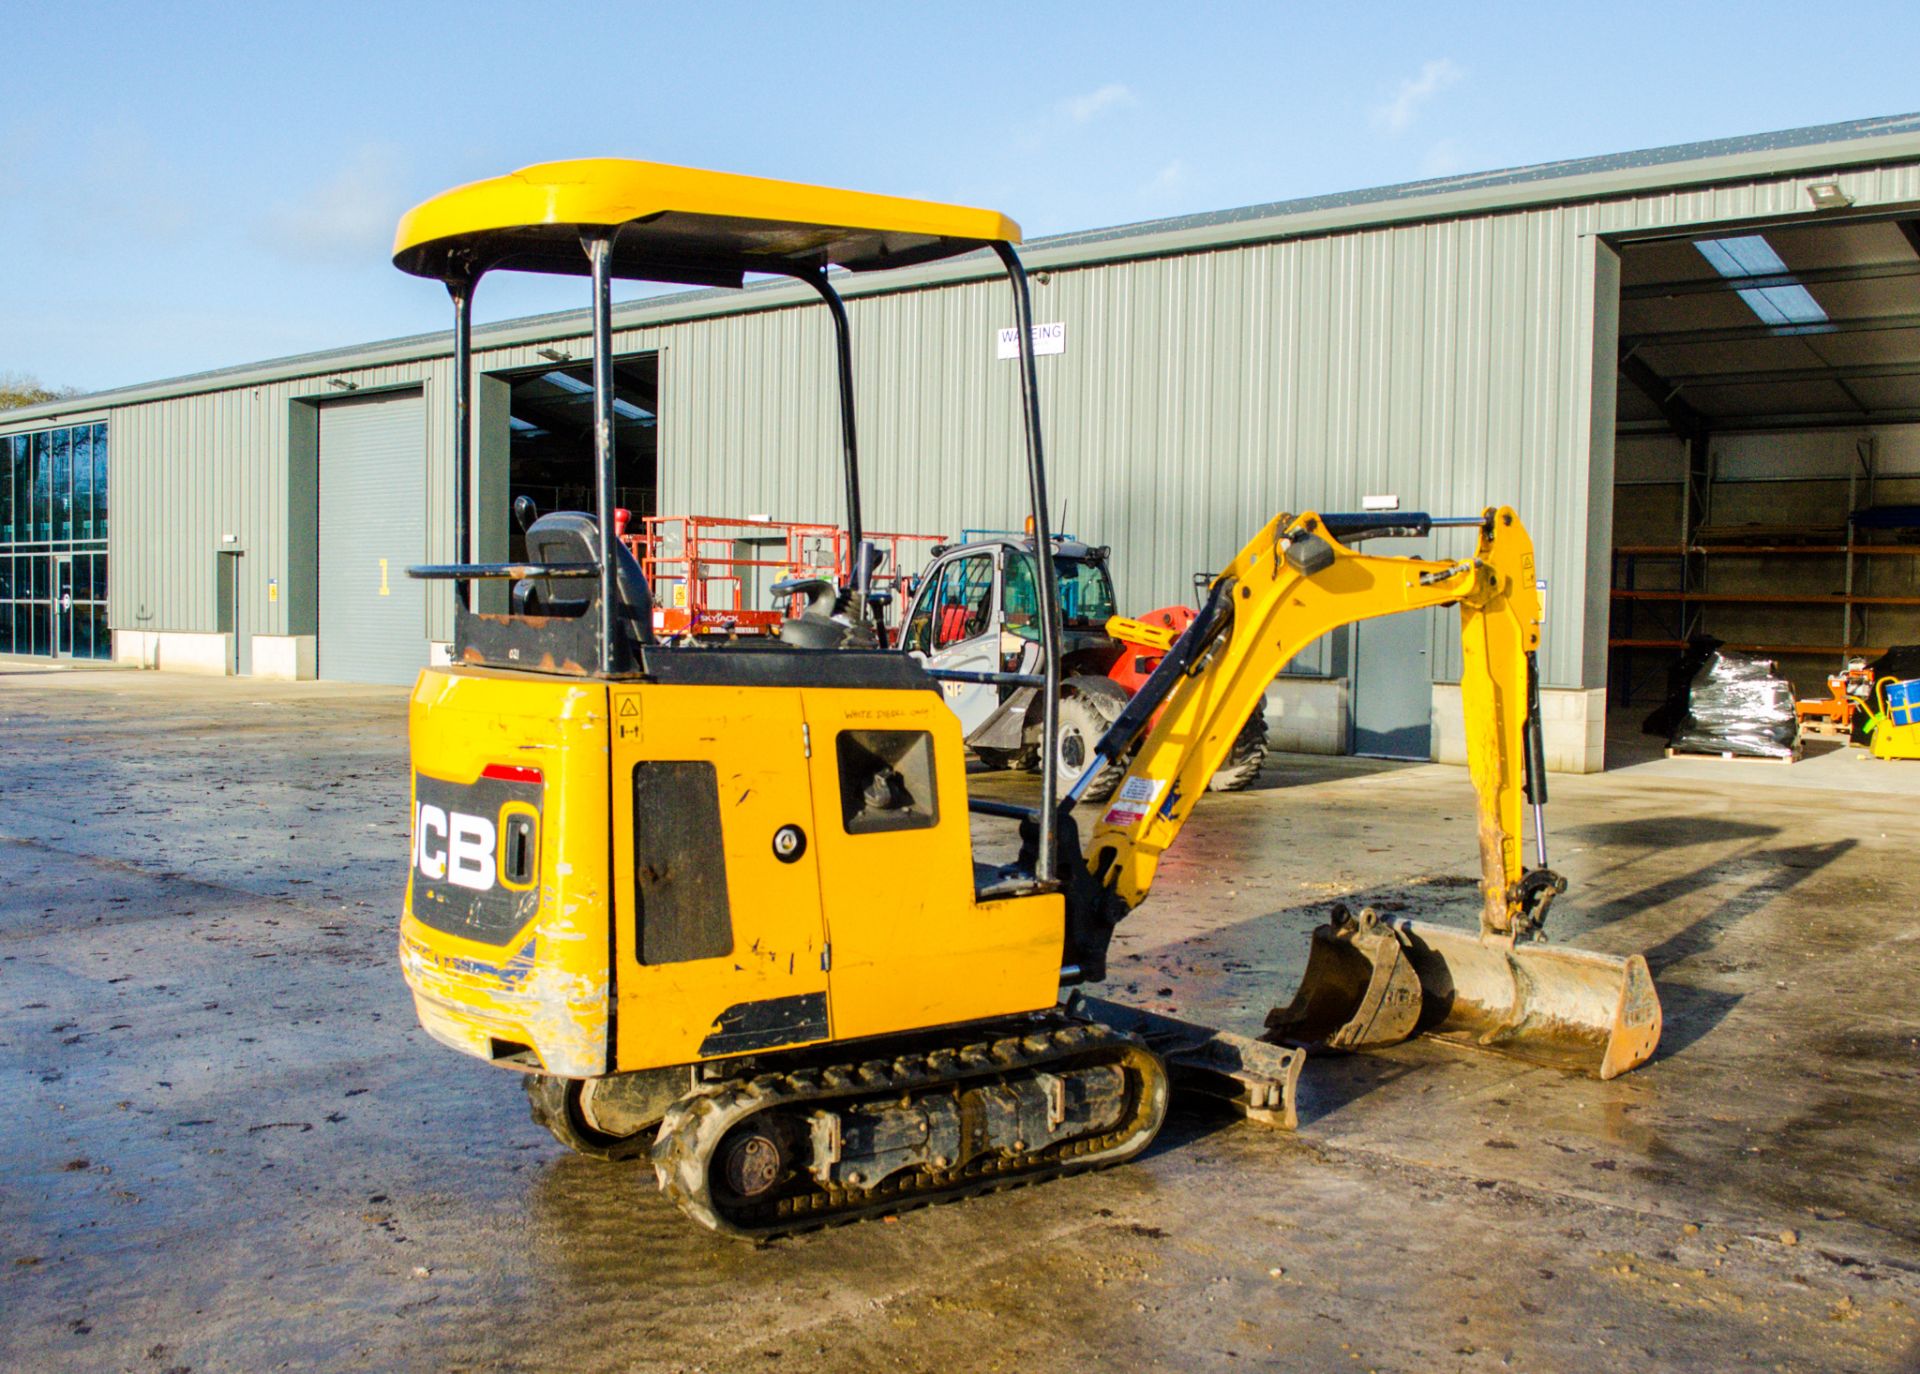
705, 569
1831, 717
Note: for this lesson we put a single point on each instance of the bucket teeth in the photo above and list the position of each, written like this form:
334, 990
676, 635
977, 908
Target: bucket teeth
1370, 982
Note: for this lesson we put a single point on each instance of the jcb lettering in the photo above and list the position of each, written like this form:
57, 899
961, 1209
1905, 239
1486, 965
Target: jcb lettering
455, 847
476, 853
470, 852
431, 841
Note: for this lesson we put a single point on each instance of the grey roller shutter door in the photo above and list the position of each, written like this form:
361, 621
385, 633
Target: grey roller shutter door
373, 520
1392, 672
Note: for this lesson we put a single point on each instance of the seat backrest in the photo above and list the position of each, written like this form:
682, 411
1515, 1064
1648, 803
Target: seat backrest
571, 536
953, 626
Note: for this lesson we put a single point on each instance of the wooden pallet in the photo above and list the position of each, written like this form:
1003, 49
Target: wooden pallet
1734, 758
1823, 729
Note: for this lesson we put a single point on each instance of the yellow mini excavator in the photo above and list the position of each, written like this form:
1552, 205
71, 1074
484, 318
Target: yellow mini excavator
720, 904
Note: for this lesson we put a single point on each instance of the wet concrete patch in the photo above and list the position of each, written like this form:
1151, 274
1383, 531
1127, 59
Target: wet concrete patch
230, 1146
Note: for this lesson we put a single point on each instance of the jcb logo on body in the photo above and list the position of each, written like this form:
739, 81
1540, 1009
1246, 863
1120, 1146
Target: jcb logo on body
476, 852
455, 847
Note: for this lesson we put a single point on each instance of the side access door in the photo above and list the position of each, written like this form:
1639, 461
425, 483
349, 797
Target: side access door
912, 947
719, 947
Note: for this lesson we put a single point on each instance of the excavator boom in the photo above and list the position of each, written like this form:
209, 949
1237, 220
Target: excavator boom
1371, 982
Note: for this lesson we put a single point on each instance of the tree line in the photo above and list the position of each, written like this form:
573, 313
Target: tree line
19, 389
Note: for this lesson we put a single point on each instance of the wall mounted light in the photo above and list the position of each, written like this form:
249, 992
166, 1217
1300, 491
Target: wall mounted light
553, 355
1827, 195
342, 384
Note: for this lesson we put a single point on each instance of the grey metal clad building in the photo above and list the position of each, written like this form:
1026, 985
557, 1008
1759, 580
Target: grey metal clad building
1694, 370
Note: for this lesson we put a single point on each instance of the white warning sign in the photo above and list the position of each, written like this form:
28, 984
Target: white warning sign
1047, 339
1134, 800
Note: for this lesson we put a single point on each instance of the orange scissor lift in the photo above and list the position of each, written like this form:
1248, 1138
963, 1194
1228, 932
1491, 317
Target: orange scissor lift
702, 568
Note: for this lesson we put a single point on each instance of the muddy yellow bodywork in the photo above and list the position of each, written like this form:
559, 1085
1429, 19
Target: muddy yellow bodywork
851, 929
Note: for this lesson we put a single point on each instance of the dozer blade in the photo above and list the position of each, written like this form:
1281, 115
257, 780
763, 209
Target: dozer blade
1257, 1079
1573, 1009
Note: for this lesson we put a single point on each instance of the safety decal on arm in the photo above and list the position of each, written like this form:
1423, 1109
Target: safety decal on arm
1134, 800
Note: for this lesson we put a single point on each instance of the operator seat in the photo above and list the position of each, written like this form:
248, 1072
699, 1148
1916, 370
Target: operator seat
817, 626
571, 536
953, 625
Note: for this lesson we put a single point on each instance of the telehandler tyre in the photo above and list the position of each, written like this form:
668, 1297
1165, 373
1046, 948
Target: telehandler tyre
1088, 705
555, 1104
1249, 753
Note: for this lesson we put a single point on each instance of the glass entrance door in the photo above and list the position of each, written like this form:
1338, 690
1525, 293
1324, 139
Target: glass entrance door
62, 605
53, 543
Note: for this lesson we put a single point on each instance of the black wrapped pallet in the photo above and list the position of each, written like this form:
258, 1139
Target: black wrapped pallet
1737, 704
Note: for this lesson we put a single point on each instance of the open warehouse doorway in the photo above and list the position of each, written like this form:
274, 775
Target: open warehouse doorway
1767, 449
550, 438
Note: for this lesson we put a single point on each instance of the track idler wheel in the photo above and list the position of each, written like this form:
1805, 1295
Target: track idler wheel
1359, 989
754, 1159
556, 1104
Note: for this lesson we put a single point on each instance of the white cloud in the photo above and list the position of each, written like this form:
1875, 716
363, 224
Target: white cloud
347, 218
1084, 109
1400, 112
1168, 179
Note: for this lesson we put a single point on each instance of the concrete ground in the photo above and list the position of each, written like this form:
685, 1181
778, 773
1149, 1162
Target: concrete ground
230, 1148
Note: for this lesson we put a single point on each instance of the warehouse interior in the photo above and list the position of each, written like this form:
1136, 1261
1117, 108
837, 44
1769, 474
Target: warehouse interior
1767, 450
550, 437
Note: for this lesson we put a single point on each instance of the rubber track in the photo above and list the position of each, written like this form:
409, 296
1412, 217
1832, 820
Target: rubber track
690, 1135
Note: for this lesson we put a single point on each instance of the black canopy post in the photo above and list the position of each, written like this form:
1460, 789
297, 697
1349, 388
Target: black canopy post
1045, 868
599, 246
461, 289
849, 444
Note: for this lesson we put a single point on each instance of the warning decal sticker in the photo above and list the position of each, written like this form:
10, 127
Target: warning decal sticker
1134, 800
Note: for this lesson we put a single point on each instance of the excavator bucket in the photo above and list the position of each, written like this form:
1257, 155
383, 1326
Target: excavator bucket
1359, 989
1370, 982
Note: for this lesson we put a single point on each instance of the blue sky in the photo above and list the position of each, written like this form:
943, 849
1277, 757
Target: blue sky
185, 186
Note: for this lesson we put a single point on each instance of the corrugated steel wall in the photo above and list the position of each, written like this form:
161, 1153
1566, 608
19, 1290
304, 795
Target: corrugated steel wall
191, 470
1197, 396
1450, 363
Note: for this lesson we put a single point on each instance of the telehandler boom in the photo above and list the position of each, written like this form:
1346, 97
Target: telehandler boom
720, 904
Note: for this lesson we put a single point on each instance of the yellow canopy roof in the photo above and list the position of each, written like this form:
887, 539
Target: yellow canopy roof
678, 224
